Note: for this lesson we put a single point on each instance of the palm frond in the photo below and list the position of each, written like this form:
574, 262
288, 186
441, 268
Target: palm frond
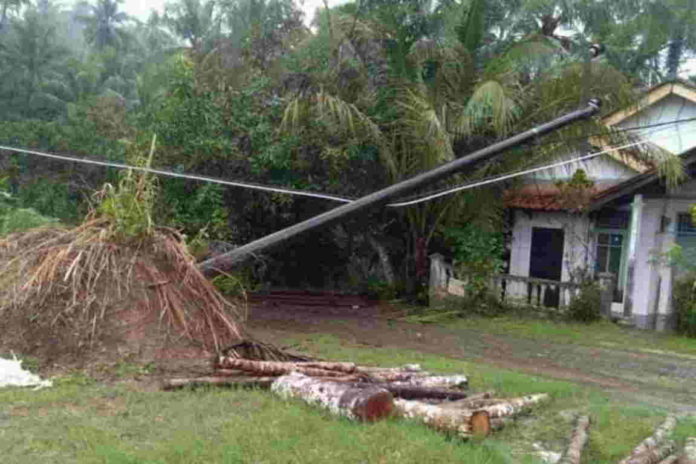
492, 106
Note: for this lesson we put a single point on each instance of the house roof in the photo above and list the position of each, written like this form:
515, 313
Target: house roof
633, 184
652, 96
550, 197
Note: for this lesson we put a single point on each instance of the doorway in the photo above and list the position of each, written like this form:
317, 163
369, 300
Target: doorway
546, 260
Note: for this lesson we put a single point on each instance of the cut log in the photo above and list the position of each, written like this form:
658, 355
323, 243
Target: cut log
248, 382
673, 459
689, 455
462, 422
655, 440
652, 455
369, 403
408, 368
514, 406
474, 401
434, 381
578, 440
413, 392
282, 368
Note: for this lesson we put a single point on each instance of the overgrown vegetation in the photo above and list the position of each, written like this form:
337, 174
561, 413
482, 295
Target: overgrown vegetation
115, 274
374, 92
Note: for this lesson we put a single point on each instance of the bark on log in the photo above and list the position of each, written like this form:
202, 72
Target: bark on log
652, 455
513, 406
282, 368
670, 460
578, 440
656, 439
367, 403
689, 455
431, 381
463, 422
259, 382
474, 401
408, 368
412, 392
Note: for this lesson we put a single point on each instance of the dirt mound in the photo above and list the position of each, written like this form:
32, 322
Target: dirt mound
71, 296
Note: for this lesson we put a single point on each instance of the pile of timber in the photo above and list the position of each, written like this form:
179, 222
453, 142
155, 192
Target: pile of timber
372, 393
658, 448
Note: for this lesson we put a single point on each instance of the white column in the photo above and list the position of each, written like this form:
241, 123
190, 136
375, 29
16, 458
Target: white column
633, 236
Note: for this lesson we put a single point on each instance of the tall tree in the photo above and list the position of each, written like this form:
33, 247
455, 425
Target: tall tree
31, 78
104, 24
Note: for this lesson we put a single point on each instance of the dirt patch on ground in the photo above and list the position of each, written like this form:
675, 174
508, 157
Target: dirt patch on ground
660, 379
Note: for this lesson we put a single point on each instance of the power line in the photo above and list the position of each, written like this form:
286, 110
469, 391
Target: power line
161, 172
496, 179
324, 196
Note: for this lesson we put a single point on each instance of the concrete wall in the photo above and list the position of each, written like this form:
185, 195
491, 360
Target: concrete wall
577, 245
651, 295
601, 168
676, 138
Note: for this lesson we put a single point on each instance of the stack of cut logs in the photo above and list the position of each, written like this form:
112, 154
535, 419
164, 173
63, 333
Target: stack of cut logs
438, 401
373, 393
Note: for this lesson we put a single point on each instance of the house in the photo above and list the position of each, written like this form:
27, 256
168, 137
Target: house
630, 219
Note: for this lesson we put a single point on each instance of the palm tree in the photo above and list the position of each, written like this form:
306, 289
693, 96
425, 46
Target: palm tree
103, 24
196, 21
31, 80
422, 103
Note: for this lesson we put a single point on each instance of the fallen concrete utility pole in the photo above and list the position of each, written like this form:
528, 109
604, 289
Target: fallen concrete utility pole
228, 260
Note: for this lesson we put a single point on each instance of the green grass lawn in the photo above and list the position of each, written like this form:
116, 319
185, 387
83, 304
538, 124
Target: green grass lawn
599, 334
80, 420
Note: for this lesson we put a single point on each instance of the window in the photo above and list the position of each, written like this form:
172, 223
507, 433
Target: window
685, 226
609, 249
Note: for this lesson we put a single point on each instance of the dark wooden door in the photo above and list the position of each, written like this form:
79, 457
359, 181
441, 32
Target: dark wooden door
546, 260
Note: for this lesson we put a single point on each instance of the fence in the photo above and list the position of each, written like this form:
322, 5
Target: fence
513, 289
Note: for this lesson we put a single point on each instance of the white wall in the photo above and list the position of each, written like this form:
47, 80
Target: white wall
653, 276
601, 168
576, 240
676, 138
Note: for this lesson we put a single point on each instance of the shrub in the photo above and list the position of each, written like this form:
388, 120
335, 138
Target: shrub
586, 306
684, 301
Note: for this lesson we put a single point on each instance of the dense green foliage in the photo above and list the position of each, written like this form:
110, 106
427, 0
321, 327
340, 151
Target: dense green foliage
373, 92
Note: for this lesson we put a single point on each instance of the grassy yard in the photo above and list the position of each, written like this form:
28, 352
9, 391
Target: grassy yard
81, 420
600, 334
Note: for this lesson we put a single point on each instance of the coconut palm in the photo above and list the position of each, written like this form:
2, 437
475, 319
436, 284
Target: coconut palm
104, 24
422, 103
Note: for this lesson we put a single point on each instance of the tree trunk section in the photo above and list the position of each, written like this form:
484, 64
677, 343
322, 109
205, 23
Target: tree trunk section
573, 454
656, 439
258, 382
383, 260
514, 406
689, 456
652, 455
475, 401
319, 369
463, 422
670, 460
433, 381
413, 392
368, 403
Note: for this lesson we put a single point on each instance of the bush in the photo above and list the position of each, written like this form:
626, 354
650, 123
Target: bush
684, 301
586, 306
